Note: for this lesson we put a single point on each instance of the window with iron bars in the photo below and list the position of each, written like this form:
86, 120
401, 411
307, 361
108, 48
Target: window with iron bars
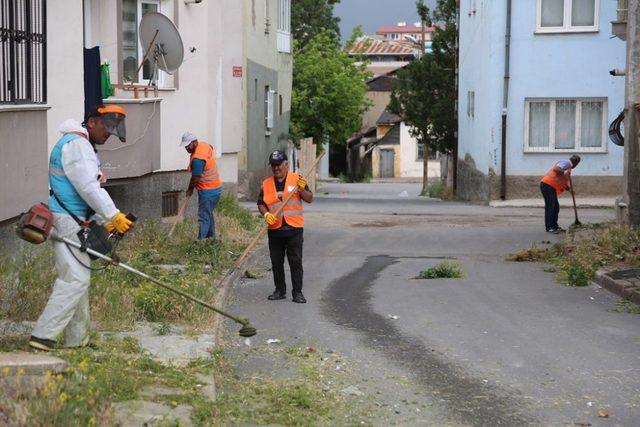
23, 53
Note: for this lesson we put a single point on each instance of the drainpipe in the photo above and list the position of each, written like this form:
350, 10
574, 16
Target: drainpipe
505, 103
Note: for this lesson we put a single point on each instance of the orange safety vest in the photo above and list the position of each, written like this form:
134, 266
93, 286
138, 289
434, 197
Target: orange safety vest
557, 179
210, 178
292, 211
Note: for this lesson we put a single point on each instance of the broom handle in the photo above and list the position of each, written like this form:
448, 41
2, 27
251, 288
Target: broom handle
573, 196
180, 214
264, 228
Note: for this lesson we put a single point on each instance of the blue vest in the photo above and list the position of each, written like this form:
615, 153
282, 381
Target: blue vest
60, 184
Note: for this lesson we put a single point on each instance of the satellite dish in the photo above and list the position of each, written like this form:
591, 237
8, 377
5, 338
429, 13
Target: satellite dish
162, 42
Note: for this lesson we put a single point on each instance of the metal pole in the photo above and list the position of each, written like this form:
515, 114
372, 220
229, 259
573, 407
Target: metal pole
505, 104
632, 149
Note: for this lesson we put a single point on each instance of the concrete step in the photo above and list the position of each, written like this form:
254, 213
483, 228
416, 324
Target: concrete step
23, 363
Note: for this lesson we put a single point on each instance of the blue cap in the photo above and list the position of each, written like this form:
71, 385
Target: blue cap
277, 157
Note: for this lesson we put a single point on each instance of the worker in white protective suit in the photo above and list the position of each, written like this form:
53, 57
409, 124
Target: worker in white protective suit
76, 196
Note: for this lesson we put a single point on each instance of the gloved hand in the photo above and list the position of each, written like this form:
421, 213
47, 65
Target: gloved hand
302, 184
119, 223
269, 218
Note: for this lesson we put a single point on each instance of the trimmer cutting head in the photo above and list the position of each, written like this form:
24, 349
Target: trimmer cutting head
247, 330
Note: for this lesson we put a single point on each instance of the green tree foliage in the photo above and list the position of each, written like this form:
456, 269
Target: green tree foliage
355, 35
424, 93
329, 91
312, 17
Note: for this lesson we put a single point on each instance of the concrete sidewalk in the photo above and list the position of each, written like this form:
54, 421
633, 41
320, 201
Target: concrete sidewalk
565, 202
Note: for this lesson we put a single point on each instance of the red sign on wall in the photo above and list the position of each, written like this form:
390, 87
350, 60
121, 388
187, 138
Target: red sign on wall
237, 71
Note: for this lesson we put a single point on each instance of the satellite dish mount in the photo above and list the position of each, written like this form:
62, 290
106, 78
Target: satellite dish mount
164, 45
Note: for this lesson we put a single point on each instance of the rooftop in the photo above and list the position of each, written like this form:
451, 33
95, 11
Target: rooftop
371, 46
403, 27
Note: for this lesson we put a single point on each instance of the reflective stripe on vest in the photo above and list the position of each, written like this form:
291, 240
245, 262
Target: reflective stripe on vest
210, 178
292, 211
60, 184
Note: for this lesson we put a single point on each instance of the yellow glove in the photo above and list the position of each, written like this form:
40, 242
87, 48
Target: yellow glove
119, 223
269, 218
302, 184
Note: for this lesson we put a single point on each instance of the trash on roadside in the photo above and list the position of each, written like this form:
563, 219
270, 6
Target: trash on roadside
247, 342
404, 194
603, 414
394, 317
273, 341
311, 350
589, 404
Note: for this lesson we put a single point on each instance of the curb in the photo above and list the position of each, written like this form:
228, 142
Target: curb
627, 289
223, 294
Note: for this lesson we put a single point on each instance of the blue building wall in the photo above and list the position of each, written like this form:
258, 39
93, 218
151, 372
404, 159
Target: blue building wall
571, 65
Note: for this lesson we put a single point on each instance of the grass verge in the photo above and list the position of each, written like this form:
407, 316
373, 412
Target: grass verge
443, 270
119, 298
577, 258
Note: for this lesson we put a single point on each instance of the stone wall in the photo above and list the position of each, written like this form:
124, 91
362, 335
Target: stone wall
472, 184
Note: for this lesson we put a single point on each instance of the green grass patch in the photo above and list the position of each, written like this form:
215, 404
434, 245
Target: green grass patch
437, 190
591, 247
626, 306
443, 270
354, 178
119, 298
94, 380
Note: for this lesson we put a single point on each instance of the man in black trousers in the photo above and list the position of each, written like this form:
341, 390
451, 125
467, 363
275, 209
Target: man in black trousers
285, 229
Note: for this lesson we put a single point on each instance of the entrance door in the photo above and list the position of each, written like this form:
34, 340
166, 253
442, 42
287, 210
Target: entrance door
386, 163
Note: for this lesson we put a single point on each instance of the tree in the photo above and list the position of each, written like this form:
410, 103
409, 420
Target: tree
329, 91
424, 92
312, 17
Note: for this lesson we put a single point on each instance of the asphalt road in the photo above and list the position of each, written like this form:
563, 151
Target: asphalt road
505, 345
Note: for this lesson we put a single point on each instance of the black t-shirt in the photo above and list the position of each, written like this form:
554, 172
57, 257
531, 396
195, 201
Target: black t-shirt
285, 228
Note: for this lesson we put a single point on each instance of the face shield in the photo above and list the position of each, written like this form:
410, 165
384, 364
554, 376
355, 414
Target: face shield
115, 125
113, 119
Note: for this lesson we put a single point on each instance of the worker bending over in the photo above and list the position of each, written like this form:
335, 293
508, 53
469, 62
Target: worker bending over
76, 196
206, 179
286, 229
555, 182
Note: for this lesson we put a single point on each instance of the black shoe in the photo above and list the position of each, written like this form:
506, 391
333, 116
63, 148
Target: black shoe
276, 296
299, 298
41, 344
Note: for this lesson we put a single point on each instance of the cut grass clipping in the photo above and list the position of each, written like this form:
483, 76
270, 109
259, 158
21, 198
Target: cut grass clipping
577, 258
443, 270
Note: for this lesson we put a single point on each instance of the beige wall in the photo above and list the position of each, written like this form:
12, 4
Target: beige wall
23, 160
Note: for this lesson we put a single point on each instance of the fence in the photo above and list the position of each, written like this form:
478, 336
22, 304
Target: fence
23, 59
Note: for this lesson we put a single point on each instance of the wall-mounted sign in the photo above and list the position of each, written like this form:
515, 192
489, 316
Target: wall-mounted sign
237, 71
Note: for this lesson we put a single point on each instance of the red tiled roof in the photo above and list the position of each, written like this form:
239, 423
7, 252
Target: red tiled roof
402, 29
369, 46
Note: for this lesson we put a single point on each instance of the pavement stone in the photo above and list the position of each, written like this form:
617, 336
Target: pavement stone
30, 363
565, 202
136, 413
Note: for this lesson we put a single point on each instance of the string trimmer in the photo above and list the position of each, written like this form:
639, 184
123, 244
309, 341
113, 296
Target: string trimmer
247, 329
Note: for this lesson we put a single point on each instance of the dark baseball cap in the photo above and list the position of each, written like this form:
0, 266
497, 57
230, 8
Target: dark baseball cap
277, 157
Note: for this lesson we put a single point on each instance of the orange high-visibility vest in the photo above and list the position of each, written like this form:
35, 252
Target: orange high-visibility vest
557, 179
292, 211
210, 178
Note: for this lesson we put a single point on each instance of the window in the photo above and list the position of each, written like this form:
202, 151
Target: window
555, 16
284, 26
170, 203
132, 50
23, 52
563, 125
268, 107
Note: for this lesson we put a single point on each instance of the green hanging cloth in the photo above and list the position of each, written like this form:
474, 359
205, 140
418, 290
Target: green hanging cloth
105, 81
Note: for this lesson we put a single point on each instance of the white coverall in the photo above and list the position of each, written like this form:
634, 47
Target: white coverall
68, 306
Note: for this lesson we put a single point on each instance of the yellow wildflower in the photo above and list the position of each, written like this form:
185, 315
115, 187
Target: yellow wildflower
174, 403
59, 377
92, 421
91, 379
48, 375
5, 371
83, 365
20, 372
63, 397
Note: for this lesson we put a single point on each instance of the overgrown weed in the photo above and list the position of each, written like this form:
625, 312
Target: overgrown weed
443, 270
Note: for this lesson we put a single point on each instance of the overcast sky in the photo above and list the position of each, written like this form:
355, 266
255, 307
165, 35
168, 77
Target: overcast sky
372, 14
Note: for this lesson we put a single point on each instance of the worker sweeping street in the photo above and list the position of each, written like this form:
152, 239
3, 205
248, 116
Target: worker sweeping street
554, 183
285, 230
76, 197
205, 178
